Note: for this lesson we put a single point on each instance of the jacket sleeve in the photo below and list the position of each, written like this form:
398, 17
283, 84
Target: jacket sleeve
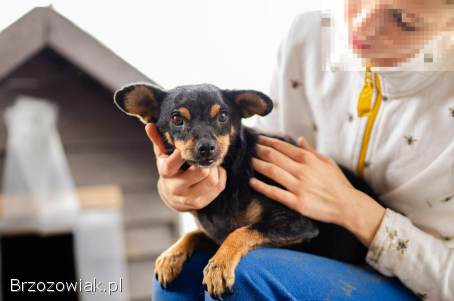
422, 262
291, 114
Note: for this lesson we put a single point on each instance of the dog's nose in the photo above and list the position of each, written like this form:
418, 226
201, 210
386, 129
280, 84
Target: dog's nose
206, 147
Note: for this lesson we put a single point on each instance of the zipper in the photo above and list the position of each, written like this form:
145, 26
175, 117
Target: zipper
365, 110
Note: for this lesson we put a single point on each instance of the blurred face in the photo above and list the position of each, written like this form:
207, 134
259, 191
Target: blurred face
389, 32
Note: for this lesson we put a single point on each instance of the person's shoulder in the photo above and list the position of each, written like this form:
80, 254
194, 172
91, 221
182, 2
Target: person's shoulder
305, 26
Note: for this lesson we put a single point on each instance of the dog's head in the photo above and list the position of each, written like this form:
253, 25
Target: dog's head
199, 120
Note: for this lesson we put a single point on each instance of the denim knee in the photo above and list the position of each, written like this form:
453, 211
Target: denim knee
254, 280
278, 274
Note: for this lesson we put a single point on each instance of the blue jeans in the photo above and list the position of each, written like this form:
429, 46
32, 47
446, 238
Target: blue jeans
279, 274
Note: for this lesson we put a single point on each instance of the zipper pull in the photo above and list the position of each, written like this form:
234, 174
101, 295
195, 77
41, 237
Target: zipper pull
365, 97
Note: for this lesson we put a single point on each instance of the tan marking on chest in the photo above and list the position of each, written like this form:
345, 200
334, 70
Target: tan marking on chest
253, 212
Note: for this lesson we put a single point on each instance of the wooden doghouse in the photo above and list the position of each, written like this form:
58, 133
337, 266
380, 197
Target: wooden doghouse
45, 55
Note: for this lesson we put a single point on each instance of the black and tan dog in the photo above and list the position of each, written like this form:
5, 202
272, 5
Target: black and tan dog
204, 123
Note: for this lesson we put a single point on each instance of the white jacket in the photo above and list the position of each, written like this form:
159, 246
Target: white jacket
409, 158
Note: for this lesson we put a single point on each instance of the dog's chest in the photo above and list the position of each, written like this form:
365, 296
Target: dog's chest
219, 220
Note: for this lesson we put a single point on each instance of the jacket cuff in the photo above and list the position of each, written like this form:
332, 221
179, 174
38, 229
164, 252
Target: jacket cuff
387, 248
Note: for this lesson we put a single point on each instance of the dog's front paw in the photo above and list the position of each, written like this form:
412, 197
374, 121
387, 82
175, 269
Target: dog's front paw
218, 277
168, 265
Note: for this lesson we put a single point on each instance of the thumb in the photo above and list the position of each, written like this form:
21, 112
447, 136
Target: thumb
155, 137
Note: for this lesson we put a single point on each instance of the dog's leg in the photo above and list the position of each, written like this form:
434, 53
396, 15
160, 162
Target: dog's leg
170, 263
219, 274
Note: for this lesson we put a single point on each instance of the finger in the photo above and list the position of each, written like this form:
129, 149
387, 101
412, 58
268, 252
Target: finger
170, 166
178, 206
305, 145
275, 157
214, 181
292, 151
153, 133
188, 178
207, 190
275, 173
275, 193
182, 184
222, 179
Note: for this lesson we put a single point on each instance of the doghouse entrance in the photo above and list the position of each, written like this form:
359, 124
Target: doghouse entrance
38, 259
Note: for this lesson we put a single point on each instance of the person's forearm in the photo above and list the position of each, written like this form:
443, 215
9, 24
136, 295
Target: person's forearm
363, 216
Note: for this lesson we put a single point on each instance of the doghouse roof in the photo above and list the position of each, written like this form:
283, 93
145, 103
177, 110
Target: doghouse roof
43, 28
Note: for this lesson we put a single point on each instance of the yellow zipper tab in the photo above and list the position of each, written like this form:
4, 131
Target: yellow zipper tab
372, 115
365, 97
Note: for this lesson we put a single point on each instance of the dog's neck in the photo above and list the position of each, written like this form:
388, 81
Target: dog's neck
237, 164
241, 149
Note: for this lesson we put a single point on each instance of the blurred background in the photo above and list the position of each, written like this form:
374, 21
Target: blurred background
78, 196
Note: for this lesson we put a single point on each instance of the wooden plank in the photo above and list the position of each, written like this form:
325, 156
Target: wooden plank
116, 166
147, 298
145, 208
140, 277
107, 197
148, 242
21, 40
122, 166
100, 197
91, 197
87, 114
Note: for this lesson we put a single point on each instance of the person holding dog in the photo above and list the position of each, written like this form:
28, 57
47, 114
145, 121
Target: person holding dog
384, 108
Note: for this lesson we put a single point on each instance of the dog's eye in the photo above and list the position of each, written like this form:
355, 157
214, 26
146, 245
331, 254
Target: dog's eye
177, 120
223, 116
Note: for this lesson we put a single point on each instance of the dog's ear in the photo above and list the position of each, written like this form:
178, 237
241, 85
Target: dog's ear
140, 100
250, 102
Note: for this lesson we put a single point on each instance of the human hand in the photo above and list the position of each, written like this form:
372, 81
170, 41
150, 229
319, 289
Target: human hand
187, 190
315, 186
